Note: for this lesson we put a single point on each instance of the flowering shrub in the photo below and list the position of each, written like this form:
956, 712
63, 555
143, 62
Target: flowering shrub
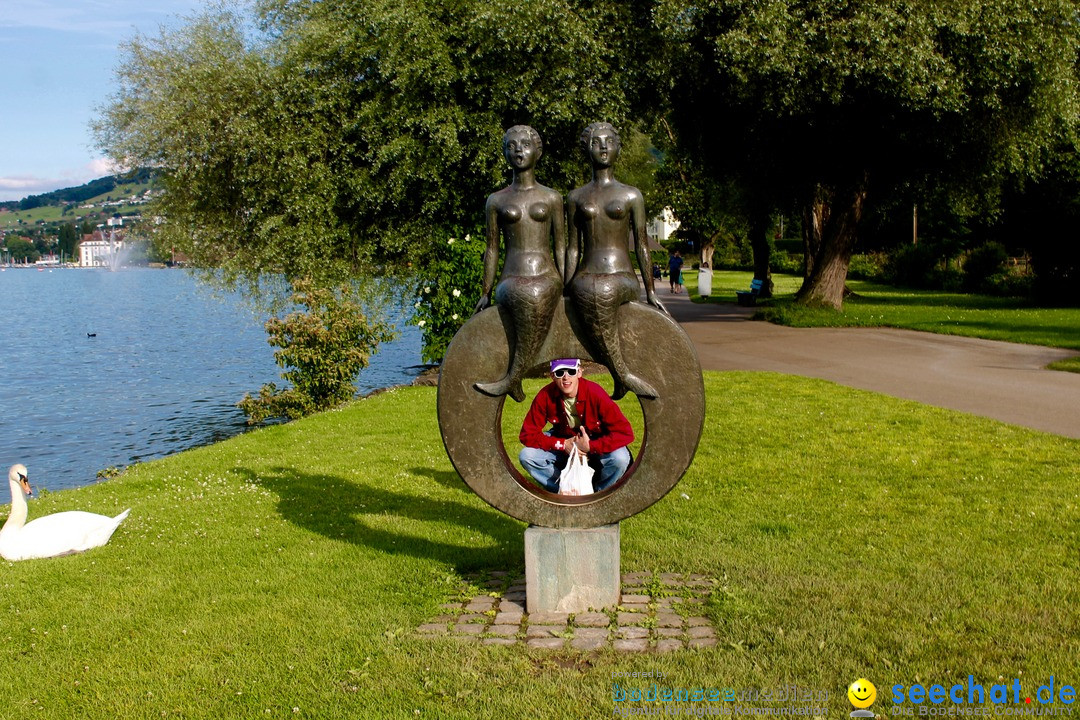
324, 348
447, 294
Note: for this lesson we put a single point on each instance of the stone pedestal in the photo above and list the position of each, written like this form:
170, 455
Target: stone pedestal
571, 569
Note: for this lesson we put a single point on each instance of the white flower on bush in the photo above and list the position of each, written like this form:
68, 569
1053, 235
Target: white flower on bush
454, 316
457, 293
466, 237
422, 323
450, 241
416, 304
427, 289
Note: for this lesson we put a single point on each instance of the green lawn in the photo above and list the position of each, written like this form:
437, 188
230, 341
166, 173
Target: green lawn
1069, 365
726, 282
879, 305
282, 573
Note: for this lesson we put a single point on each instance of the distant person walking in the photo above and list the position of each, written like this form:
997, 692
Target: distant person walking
674, 264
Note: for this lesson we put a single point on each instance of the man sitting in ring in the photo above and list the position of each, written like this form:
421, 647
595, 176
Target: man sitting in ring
581, 414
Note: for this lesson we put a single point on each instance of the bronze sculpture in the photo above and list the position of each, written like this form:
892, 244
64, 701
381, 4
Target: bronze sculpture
602, 215
526, 214
597, 322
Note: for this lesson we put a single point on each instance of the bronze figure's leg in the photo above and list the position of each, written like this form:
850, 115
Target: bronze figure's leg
531, 302
597, 298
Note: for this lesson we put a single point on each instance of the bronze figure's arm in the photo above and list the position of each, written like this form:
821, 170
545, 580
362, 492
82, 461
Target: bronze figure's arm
491, 254
641, 248
558, 228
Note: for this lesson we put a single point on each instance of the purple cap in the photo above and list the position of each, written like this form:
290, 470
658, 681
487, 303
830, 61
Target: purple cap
565, 363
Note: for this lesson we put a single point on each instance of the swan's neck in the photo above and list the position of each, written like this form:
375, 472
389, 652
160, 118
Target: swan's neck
17, 517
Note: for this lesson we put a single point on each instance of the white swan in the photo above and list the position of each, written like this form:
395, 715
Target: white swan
58, 534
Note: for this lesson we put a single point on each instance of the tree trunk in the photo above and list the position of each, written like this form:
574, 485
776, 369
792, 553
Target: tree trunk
759, 243
815, 217
824, 285
708, 247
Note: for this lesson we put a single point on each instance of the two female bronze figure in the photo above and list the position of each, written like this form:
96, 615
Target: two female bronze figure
530, 219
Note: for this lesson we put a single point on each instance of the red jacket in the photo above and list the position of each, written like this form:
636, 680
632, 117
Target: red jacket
607, 427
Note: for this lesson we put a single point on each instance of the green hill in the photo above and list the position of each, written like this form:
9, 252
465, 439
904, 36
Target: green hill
82, 193
108, 195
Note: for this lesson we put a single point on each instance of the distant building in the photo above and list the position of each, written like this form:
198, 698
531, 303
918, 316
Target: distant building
95, 250
662, 226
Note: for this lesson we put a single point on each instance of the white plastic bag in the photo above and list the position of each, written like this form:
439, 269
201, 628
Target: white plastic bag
576, 477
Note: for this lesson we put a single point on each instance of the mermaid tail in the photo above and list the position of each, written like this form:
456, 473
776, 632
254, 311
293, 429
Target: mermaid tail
503, 387
597, 299
531, 303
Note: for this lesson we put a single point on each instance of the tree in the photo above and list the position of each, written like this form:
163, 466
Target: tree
347, 138
711, 211
22, 250
821, 103
1043, 219
67, 241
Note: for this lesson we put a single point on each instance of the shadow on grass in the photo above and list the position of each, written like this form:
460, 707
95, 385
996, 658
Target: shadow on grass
1010, 328
340, 510
940, 300
448, 479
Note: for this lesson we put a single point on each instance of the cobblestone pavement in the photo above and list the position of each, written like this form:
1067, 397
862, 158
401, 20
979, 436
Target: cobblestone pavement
659, 613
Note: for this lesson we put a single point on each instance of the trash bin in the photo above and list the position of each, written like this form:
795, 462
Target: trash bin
704, 282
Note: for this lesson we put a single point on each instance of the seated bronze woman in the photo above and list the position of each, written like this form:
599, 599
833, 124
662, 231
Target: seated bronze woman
602, 215
529, 218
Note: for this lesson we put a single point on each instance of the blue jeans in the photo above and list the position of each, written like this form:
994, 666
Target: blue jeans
545, 466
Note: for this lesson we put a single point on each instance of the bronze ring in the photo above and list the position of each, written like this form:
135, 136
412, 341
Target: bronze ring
657, 350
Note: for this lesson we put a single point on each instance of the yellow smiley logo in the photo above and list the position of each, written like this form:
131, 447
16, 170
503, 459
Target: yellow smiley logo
862, 693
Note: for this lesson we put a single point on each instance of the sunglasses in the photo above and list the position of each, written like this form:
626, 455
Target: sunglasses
565, 371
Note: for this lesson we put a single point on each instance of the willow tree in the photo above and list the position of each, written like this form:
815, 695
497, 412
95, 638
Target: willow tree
826, 103
323, 142
334, 140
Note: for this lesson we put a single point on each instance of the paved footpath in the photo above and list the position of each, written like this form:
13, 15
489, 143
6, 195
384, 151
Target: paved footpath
1000, 380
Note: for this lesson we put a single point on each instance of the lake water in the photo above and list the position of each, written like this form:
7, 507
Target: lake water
167, 365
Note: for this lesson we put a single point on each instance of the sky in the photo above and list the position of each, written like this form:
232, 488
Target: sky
57, 59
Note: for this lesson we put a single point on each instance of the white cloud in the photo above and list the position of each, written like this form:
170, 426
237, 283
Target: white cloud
17, 187
20, 183
100, 167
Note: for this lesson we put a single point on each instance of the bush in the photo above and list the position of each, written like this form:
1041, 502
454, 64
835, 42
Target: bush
982, 263
1055, 260
922, 266
869, 266
1010, 282
788, 262
448, 294
911, 265
732, 253
325, 348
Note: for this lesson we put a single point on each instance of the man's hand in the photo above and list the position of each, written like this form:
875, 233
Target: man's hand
582, 441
